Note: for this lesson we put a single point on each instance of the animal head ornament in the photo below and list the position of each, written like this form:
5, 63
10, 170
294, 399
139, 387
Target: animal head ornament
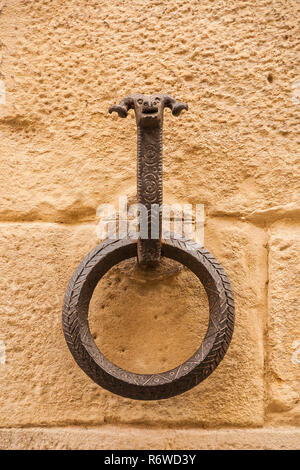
148, 109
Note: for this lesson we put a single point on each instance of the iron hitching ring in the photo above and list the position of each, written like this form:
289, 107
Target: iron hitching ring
149, 114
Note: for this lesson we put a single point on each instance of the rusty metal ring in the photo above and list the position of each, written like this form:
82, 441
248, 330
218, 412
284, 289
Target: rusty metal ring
148, 386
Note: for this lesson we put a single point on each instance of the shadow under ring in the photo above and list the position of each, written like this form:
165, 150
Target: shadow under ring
148, 386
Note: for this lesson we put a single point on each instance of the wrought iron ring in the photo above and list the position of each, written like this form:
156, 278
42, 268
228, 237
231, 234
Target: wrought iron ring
148, 386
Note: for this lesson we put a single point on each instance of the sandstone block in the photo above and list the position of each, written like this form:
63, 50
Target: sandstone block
234, 151
284, 323
42, 384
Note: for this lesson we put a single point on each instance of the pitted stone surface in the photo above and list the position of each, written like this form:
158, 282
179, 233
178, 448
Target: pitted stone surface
64, 62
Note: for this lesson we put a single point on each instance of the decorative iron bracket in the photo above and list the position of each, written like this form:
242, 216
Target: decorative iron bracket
149, 113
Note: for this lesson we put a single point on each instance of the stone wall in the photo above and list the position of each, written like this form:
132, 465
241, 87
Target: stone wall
236, 151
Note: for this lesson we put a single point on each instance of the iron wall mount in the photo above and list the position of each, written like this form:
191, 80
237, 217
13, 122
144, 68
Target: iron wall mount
149, 118
149, 113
